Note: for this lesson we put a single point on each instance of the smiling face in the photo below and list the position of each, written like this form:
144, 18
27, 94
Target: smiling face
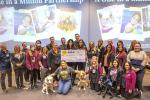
137, 47
115, 63
127, 66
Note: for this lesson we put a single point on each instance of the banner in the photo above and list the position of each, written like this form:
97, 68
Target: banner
73, 55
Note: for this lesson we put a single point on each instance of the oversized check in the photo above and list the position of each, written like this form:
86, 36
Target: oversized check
73, 55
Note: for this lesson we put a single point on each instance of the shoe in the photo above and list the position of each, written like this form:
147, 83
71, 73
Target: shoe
39, 81
22, 86
35, 86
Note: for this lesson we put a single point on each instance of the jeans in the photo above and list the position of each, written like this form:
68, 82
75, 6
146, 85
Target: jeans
3, 76
64, 86
19, 77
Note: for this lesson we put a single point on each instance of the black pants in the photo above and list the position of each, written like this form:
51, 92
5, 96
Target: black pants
94, 86
139, 79
33, 78
3, 75
19, 77
38, 74
106, 69
26, 74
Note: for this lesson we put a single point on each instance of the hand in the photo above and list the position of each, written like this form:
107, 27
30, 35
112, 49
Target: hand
137, 69
130, 91
19, 64
99, 82
49, 68
118, 87
133, 69
41, 67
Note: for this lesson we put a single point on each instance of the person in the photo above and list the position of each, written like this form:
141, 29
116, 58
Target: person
110, 42
5, 67
101, 50
39, 50
94, 74
3, 24
134, 26
32, 63
64, 72
52, 42
18, 61
54, 58
128, 82
133, 42
121, 56
26, 27
120, 44
26, 72
63, 45
43, 62
138, 60
108, 58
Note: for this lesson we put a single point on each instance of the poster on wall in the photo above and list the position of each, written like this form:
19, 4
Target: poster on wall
23, 26
110, 21
67, 23
6, 24
44, 21
131, 28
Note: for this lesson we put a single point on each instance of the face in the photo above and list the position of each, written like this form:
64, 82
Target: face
27, 21
55, 47
100, 42
17, 49
44, 50
24, 45
63, 40
63, 65
110, 42
70, 43
52, 40
135, 19
80, 43
38, 44
115, 63
91, 44
137, 47
77, 37
108, 48
127, 66
120, 49
32, 47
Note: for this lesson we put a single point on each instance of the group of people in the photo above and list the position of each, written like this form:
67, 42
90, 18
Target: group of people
124, 68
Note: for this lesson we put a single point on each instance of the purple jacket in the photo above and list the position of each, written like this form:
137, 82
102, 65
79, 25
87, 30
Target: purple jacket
130, 80
32, 60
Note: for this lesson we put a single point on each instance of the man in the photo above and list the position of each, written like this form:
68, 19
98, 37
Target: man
52, 42
5, 67
63, 45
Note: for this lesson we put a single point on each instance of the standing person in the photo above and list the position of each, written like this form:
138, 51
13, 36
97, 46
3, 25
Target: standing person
52, 42
39, 50
92, 51
32, 63
121, 56
110, 42
101, 50
63, 45
120, 44
133, 42
138, 60
26, 72
108, 58
43, 62
18, 61
5, 67
54, 58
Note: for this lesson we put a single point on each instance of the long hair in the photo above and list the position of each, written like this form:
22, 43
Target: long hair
117, 63
124, 69
106, 49
70, 40
17, 49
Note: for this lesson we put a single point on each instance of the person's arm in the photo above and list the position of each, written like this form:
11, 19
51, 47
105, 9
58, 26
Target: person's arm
128, 57
40, 61
144, 62
56, 72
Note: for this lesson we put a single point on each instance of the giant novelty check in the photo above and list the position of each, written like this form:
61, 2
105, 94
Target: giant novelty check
73, 55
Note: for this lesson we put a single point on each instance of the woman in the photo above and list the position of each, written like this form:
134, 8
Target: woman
64, 72
101, 50
138, 60
108, 58
120, 45
43, 63
121, 56
18, 61
32, 63
132, 45
54, 58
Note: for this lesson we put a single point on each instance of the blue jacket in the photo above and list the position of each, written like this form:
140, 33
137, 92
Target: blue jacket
5, 60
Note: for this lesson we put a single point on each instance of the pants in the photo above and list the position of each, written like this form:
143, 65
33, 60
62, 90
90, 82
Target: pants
80, 65
26, 74
19, 77
33, 78
94, 86
3, 75
73, 75
139, 79
64, 86
106, 69
38, 74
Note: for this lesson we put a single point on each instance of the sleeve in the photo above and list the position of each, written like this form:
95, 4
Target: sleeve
71, 70
49, 59
128, 56
12, 60
28, 63
144, 59
57, 71
133, 80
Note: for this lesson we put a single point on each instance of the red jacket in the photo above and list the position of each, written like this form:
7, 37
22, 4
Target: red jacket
32, 60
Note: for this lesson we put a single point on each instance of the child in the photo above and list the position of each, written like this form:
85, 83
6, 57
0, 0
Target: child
64, 72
